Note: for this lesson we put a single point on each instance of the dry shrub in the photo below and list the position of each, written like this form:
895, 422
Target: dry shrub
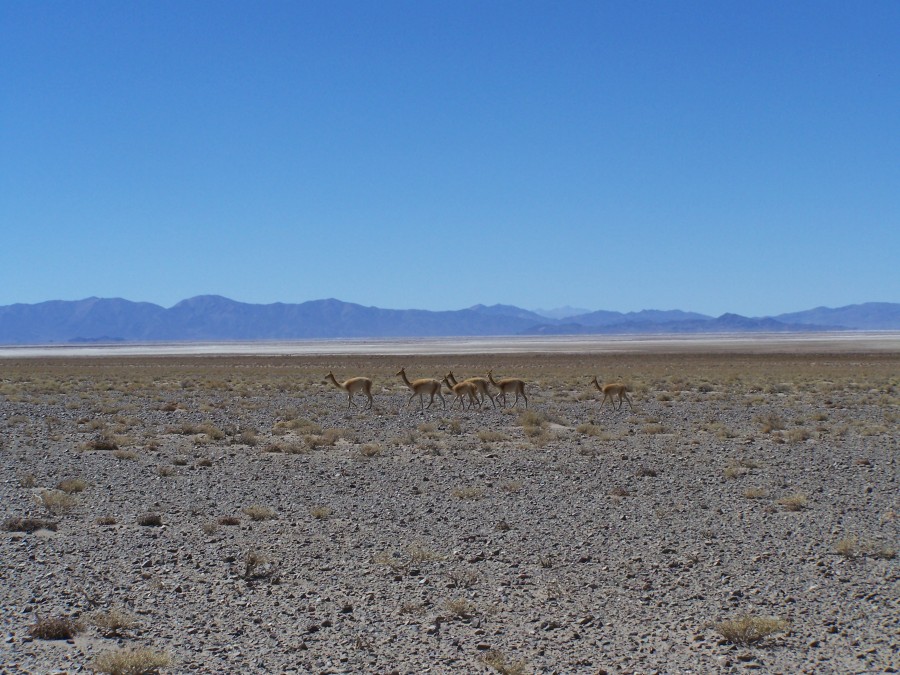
755, 493
590, 430
113, 621
248, 437
257, 512
27, 480
420, 554
771, 422
320, 512
798, 435
72, 485
496, 659
748, 630
128, 661
370, 450
150, 520
487, 436
57, 502
645, 471
165, 471
106, 520
460, 608
104, 441
229, 520
28, 525
468, 493
852, 547
795, 502
54, 628
124, 454
257, 566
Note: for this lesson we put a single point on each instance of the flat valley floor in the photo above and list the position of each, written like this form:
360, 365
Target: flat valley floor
231, 514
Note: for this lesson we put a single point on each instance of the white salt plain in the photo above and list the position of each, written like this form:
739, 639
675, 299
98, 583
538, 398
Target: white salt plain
844, 342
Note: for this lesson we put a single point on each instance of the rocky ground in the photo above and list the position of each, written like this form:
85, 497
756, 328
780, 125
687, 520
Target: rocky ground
231, 515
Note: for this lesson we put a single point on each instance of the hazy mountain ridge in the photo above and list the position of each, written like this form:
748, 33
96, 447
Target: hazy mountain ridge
215, 318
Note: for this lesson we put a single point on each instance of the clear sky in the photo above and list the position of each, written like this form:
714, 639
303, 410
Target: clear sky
721, 156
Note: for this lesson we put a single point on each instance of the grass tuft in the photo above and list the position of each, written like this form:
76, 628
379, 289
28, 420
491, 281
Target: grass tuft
748, 630
128, 661
55, 628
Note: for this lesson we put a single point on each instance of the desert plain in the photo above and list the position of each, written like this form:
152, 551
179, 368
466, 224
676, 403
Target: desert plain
220, 513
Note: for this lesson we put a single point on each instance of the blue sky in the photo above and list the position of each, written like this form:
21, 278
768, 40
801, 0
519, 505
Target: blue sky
708, 156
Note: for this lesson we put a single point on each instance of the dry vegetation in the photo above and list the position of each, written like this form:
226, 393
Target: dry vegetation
233, 515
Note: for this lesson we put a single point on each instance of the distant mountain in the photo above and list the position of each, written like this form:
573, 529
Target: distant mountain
867, 316
646, 316
214, 318
727, 323
561, 312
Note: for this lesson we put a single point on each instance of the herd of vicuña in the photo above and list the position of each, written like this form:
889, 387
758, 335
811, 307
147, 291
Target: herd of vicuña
473, 390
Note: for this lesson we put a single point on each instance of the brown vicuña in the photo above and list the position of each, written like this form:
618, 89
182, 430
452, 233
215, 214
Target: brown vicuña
481, 384
507, 385
353, 386
461, 389
421, 388
613, 389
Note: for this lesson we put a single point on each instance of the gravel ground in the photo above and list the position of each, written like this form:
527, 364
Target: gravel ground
566, 539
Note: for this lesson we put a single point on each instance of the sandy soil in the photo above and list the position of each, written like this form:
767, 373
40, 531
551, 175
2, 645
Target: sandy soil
566, 539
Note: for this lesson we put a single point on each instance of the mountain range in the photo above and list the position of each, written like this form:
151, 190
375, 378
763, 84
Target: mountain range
215, 318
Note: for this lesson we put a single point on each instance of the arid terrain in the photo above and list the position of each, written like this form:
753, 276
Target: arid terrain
229, 514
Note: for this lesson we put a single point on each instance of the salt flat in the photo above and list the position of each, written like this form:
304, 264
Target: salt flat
847, 342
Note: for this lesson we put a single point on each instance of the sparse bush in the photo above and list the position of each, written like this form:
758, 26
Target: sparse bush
57, 502
645, 471
106, 520
755, 493
257, 512
489, 436
370, 450
72, 485
165, 471
55, 628
496, 659
130, 661
771, 422
320, 512
27, 480
590, 430
468, 493
248, 437
798, 435
104, 441
748, 630
124, 454
28, 525
229, 520
150, 520
796, 502
420, 554
257, 566
460, 608
113, 621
